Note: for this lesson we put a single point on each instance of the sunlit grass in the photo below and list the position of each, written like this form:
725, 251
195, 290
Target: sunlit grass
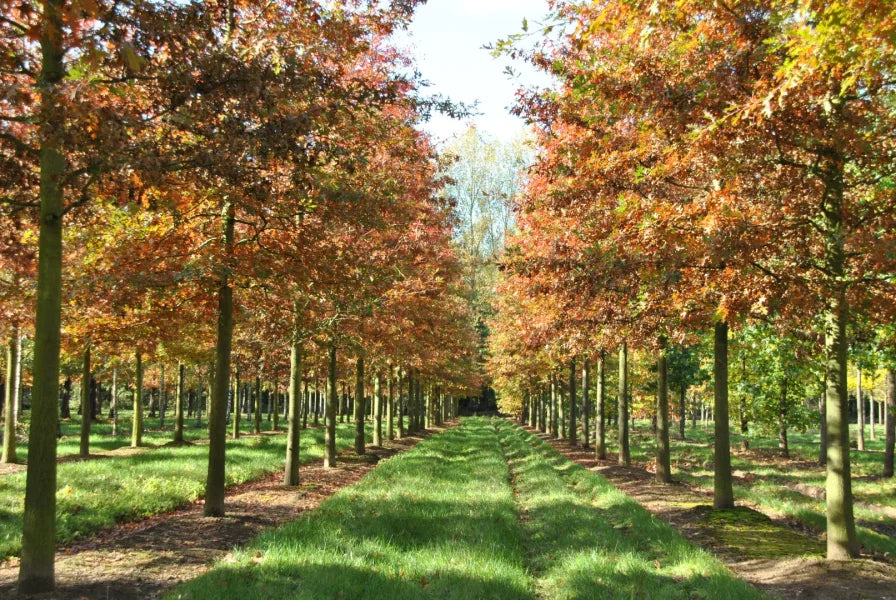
438, 521
589, 540
766, 477
92, 494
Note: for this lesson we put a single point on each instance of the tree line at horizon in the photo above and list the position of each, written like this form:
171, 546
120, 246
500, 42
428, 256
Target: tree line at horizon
703, 168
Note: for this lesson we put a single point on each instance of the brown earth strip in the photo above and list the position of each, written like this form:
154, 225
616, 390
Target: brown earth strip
142, 559
775, 556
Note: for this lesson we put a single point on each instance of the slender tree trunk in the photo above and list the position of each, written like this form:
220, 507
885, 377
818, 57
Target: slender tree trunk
586, 403
872, 402
359, 405
257, 412
401, 380
723, 496
624, 452
294, 417
782, 421
573, 427
200, 388
9, 422
163, 397
600, 434
377, 409
682, 410
115, 401
330, 411
86, 411
555, 407
237, 402
137, 417
275, 408
860, 410
823, 429
217, 443
890, 422
390, 406
663, 466
179, 403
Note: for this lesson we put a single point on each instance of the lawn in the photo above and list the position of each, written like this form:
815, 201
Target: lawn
442, 521
97, 493
587, 539
767, 480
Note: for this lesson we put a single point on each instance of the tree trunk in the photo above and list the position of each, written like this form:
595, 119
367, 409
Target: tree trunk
294, 416
624, 453
890, 422
400, 407
555, 402
275, 406
390, 405
9, 421
600, 434
377, 410
217, 443
179, 403
257, 407
237, 404
36, 573
723, 493
573, 429
663, 466
782, 421
359, 405
137, 417
330, 411
586, 403
86, 409
860, 410
114, 401
163, 397
682, 410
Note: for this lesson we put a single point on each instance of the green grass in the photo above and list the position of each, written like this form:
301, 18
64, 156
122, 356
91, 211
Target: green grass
438, 521
92, 494
101, 438
589, 540
771, 475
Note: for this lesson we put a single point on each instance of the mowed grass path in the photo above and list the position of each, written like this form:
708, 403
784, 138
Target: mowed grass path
589, 540
438, 521
97, 493
442, 521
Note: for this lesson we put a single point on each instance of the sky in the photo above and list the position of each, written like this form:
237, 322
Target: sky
446, 39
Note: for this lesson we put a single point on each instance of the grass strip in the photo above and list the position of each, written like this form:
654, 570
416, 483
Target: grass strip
92, 494
438, 521
587, 539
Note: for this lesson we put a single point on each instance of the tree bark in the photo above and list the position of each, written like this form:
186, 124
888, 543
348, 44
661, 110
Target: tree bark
663, 466
390, 406
860, 410
890, 422
586, 403
573, 428
782, 421
114, 401
600, 434
86, 409
137, 417
377, 409
294, 416
179, 403
624, 452
257, 404
723, 492
217, 443
359, 405
237, 404
330, 411
9, 421
36, 572
682, 410
400, 402
823, 429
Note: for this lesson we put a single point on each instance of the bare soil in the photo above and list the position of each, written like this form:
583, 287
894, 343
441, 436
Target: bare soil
145, 558
774, 555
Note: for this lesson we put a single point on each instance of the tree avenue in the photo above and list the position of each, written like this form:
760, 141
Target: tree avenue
221, 200
712, 176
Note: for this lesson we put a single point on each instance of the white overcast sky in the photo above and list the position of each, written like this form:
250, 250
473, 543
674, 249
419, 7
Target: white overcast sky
446, 39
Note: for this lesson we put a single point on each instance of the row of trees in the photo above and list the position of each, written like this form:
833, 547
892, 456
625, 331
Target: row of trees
233, 186
708, 166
